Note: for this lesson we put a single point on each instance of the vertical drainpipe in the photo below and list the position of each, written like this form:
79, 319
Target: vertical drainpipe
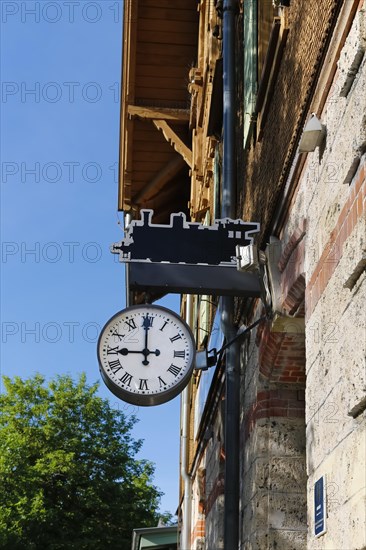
187, 481
127, 221
228, 209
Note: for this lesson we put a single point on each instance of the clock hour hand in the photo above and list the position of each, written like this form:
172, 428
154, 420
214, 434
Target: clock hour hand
125, 351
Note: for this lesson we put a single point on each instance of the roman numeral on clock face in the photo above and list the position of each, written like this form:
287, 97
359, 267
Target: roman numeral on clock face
131, 324
126, 379
148, 321
161, 382
119, 336
143, 384
176, 337
174, 370
180, 354
115, 366
112, 350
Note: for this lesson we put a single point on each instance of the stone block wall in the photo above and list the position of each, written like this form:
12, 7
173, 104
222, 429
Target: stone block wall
322, 281
273, 473
303, 388
331, 197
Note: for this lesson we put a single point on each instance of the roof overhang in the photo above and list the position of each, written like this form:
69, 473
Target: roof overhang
159, 47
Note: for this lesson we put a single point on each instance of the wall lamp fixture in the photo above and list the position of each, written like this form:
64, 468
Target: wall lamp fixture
312, 136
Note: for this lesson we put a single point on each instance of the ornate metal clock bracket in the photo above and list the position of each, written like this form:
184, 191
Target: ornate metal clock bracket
187, 257
265, 264
210, 358
190, 258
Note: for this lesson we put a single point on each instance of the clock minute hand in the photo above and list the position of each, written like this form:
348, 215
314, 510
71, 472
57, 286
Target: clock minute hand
146, 324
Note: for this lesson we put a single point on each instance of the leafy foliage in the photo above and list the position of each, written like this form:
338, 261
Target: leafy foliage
69, 478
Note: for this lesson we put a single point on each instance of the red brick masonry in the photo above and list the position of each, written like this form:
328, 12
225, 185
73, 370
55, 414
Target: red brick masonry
214, 492
353, 210
274, 403
281, 356
198, 530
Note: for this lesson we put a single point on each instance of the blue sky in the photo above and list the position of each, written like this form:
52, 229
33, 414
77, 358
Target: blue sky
60, 72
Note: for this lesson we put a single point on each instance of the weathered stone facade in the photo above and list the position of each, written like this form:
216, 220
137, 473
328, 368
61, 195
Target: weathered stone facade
335, 303
303, 377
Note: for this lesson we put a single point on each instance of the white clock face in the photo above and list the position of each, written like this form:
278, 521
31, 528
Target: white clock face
146, 354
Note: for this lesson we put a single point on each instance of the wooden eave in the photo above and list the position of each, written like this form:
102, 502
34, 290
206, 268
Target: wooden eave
159, 48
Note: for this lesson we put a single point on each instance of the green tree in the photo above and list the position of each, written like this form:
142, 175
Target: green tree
69, 477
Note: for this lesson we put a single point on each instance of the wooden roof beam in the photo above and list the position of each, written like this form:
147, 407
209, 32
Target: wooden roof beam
128, 94
174, 140
159, 180
158, 113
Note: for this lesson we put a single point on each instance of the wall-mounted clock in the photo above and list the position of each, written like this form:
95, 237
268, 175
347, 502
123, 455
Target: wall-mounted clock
146, 354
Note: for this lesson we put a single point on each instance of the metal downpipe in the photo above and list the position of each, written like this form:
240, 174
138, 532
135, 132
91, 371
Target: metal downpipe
187, 481
228, 209
127, 221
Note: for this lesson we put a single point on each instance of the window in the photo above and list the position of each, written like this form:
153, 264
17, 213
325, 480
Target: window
264, 39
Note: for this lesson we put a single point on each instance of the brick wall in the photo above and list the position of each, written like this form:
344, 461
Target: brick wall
282, 356
198, 532
261, 181
284, 403
353, 210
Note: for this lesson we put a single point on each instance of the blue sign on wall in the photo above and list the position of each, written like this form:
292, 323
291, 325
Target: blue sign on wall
320, 511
